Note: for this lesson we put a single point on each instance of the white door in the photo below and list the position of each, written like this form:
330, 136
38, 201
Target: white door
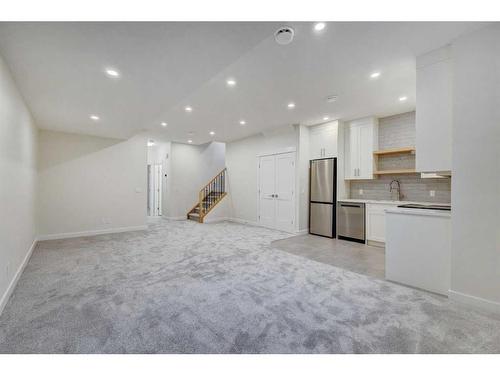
284, 190
267, 171
276, 191
154, 189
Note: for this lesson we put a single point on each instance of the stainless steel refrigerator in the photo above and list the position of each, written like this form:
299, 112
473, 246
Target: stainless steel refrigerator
322, 197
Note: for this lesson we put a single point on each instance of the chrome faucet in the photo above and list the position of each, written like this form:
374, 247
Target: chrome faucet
398, 188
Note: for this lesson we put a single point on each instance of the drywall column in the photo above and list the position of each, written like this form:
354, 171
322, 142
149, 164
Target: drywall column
18, 180
475, 272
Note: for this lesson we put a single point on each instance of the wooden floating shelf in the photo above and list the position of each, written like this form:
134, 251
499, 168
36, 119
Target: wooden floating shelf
402, 150
396, 171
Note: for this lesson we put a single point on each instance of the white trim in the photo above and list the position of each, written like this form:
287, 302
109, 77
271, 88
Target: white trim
246, 222
478, 302
13, 283
58, 236
257, 224
303, 231
215, 220
176, 217
285, 150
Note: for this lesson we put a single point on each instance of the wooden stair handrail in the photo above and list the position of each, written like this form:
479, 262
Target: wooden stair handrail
213, 179
206, 202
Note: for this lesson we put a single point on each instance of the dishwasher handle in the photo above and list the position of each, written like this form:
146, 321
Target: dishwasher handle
350, 205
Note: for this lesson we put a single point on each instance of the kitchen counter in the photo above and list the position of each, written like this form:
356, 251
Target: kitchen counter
397, 203
418, 248
418, 211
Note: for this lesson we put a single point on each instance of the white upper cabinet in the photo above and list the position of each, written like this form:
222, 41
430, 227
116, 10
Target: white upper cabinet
361, 139
323, 140
434, 111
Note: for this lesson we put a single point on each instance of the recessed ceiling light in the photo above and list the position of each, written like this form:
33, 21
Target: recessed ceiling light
325, 118
319, 26
188, 108
112, 72
190, 141
231, 82
151, 143
291, 105
375, 75
212, 133
243, 122
164, 124
402, 98
94, 117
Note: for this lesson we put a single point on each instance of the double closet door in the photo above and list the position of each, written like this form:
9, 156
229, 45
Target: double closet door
276, 191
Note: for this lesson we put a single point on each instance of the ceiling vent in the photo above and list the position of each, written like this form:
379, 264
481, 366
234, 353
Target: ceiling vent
284, 35
331, 98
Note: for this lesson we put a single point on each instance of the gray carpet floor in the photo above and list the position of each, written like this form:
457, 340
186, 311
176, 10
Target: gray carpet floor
183, 287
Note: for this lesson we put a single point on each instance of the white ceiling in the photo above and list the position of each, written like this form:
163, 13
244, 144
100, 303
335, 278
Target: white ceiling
59, 68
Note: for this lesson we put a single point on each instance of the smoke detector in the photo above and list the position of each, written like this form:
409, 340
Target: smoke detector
284, 35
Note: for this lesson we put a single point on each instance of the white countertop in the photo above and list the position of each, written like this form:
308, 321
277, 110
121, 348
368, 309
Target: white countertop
418, 211
396, 203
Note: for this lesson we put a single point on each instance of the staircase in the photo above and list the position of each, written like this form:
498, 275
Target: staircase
208, 197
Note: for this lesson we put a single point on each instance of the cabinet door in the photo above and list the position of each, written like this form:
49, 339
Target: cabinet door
365, 166
375, 221
434, 117
329, 139
352, 153
316, 144
375, 229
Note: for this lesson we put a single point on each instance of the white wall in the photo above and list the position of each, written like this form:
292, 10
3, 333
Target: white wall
476, 168
18, 136
192, 167
90, 184
242, 164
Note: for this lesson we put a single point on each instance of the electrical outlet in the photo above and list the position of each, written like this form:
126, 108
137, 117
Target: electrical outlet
432, 193
360, 191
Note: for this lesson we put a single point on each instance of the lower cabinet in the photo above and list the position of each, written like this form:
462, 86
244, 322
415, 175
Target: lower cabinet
375, 221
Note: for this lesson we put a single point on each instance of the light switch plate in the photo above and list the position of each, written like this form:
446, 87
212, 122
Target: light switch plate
360, 191
432, 193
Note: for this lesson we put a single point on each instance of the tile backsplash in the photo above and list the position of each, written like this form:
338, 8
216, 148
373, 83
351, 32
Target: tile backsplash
394, 132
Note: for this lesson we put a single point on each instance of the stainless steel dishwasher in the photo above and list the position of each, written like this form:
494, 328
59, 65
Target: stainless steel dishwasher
351, 221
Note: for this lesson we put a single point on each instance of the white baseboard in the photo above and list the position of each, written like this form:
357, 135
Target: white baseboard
241, 221
176, 217
481, 303
215, 219
58, 236
302, 231
13, 282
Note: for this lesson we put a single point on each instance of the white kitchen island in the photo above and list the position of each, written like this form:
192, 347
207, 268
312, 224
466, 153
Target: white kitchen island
418, 248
